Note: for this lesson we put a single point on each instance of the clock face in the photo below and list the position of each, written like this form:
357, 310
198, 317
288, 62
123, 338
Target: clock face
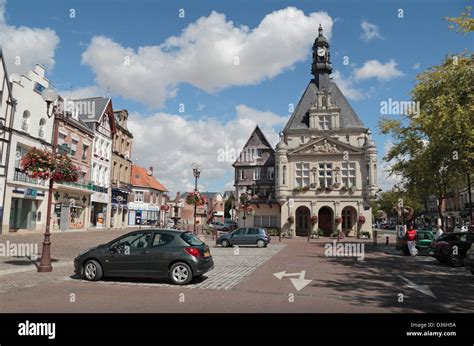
321, 52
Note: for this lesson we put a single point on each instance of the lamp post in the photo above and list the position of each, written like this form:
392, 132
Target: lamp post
50, 96
197, 169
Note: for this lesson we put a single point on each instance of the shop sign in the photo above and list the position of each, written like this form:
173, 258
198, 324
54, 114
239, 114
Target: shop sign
31, 193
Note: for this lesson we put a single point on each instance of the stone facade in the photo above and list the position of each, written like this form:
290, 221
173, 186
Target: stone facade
325, 160
121, 168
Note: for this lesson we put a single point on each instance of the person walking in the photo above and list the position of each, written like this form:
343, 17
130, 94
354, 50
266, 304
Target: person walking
411, 240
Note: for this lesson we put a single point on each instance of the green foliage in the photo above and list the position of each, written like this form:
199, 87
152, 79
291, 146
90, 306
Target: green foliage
434, 149
228, 205
464, 23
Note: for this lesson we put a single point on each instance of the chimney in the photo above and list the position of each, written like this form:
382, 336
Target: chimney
150, 171
177, 197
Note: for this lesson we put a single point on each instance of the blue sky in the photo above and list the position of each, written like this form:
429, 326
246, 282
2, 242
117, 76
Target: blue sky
400, 47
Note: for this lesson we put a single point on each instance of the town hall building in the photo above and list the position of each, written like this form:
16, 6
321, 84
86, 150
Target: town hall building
325, 161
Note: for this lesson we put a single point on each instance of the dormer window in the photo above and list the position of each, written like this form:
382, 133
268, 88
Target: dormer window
324, 122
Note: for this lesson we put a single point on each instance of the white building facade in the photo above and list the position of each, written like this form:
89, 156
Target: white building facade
7, 109
326, 162
97, 114
25, 204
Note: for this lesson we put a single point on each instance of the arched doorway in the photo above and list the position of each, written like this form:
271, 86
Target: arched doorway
325, 220
349, 215
302, 221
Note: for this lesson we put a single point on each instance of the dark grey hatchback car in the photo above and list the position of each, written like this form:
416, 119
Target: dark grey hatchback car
245, 236
177, 255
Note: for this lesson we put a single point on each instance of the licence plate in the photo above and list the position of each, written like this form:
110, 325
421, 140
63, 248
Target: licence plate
206, 254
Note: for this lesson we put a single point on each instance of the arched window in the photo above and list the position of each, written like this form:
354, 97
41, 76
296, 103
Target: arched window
25, 123
41, 127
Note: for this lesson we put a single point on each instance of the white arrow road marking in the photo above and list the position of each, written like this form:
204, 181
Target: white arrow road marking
420, 288
299, 283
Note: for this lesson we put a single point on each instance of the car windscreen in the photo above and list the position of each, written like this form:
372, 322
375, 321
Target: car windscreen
191, 239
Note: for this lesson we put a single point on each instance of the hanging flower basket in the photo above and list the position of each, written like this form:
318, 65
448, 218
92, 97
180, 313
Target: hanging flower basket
37, 163
361, 219
40, 164
314, 220
338, 220
291, 219
195, 198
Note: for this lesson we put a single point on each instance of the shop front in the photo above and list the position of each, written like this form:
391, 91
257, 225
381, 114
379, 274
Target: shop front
26, 208
143, 214
119, 212
70, 209
99, 209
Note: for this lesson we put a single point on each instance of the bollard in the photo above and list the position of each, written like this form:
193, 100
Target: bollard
375, 237
386, 240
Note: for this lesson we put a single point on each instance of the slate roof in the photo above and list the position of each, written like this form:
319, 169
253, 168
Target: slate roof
140, 178
348, 118
100, 103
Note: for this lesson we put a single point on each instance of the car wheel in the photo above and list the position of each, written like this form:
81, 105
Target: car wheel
456, 260
181, 273
260, 243
92, 270
225, 243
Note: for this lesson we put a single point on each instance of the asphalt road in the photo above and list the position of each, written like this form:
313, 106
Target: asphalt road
294, 276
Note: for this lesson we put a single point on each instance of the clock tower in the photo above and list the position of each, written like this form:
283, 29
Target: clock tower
321, 67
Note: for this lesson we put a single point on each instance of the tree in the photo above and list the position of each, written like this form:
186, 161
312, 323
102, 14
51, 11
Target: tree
228, 205
389, 200
434, 148
464, 23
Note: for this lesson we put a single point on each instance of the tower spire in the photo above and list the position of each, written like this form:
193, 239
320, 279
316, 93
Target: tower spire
321, 67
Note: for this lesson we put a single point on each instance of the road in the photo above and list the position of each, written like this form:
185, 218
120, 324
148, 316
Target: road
244, 281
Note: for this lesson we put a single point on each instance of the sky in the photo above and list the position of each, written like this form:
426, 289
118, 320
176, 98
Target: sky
196, 76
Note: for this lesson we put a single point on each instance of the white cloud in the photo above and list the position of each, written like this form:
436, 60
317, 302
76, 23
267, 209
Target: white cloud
416, 66
211, 54
370, 31
347, 87
24, 47
171, 142
376, 69
385, 180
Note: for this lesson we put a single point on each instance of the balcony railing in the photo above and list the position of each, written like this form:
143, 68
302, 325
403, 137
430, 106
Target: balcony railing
24, 178
86, 185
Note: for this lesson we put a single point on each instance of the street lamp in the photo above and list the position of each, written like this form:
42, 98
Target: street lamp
197, 169
50, 96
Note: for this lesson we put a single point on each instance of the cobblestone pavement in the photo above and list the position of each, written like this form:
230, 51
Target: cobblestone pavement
229, 268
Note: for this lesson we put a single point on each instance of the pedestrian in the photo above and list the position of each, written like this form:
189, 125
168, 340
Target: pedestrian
439, 231
411, 240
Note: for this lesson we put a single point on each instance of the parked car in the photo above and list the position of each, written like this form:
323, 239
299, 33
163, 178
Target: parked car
423, 241
177, 255
245, 236
218, 226
469, 260
464, 228
231, 225
452, 248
